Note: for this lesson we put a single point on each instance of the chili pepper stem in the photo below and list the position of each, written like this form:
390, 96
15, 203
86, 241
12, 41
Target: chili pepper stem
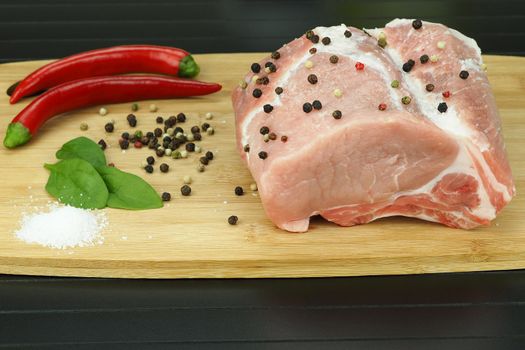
188, 68
16, 135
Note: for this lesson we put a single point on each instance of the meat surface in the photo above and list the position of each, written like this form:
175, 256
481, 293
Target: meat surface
394, 150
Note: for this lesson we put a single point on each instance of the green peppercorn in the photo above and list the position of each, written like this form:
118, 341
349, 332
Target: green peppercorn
175, 155
406, 100
381, 42
134, 107
83, 126
394, 84
138, 134
185, 190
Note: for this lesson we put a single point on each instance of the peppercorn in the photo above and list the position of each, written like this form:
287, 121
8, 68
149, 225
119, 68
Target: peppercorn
157, 132
210, 131
272, 68
312, 79
197, 136
190, 147
338, 93
284, 138
102, 111
442, 107
209, 155
263, 81
152, 144
315, 38
201, 168
417, 24
424, 59
312, 50
334, 59
165, 167
181, 117
267, 108
125, 135
264, 130
84, 126
185, 190
160, 151
326, 40
132, 120
109, 127
159, 120
263, 155
257, 93
359, 66
337, 114
266, 137
307, 107
148, 168
166, 197
186, 179
171, 121
102, 144
276, 55
204, 160
123, 143
246, 148
134, 107
132, 138
176, 155
111, 165
348, 33
308, 64
272, 136
381, 42
309, 34
394, 84
267, 64
177, 130
144, 140
406, 100
150, 160
232, 220
205, 126
239, 191
195, 129
150, 134
278, 90
382, 106
463, 74
138, 134
441, 45
256, 67
446, 94
153, 107
429, 87
317, 104
407, 67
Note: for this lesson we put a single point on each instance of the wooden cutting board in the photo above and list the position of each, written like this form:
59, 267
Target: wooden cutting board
190, 237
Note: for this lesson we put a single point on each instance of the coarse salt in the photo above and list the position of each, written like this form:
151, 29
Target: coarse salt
62, 227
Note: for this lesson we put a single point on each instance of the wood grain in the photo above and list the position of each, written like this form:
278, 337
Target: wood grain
190, 237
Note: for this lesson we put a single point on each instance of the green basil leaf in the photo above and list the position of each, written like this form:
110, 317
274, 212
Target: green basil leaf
128, 191
82, 148
76, 182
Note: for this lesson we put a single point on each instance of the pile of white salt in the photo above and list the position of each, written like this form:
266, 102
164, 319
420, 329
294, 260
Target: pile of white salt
63, 227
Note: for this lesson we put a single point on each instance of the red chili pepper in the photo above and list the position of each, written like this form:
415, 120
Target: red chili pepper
94, 91
108, 61
359, 66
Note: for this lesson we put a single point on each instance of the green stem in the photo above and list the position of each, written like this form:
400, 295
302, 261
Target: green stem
17, 134
188, 68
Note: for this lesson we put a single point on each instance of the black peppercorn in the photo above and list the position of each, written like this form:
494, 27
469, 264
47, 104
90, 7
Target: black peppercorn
278, 90
315, 38
164, 167
326, 40
272, 67
267, 64
132, 120
246, 148
166, 139
178, 129
307, 107
159, 120
442, 107
407, 67
195, 129
181, 117
190, 147
102, 144
263, 155
157, 132
256, 67
150, 160
463, 74
348, 33
334, 59
204, 160
150, 135
144, 140
109, 127
276, 55
264, 130
284, 138
317, 105
205, 126
197, 136
171, 121
263, 81
159, 152
239, 191
337, 114
166, 197
148, 168
424, 59
232, 220
313, 50
123, 143
312, 79
125, 135
185, 190
267, 108
257, 93
417, 24
429, 87
209, 155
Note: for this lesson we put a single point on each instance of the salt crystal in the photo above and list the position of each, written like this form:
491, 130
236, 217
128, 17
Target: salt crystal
62, 227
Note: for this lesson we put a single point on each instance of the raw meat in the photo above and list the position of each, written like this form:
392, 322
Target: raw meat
375, 161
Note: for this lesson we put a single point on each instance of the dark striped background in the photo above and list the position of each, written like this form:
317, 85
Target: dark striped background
448, 311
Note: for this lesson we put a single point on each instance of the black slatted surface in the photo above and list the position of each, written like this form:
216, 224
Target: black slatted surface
448, 311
